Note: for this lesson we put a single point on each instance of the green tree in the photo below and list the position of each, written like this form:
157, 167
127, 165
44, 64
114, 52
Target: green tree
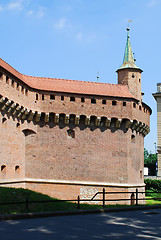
150, 162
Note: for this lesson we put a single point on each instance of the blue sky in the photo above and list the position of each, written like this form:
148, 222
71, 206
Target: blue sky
75, 39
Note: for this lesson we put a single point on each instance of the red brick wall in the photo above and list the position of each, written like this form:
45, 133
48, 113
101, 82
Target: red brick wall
96, 154
93, 155
132, 78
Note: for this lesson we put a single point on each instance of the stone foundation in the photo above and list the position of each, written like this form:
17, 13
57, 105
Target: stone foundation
69, 191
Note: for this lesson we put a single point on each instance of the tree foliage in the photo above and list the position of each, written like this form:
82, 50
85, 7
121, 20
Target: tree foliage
150, 162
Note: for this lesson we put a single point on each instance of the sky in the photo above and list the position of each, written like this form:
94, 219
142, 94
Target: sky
76, 39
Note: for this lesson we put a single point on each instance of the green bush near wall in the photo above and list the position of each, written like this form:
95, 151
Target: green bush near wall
153, 185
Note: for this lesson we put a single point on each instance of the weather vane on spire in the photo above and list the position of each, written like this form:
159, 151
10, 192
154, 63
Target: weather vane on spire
98, 77
128, 25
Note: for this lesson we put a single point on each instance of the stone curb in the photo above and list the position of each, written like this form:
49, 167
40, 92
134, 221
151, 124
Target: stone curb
75, 212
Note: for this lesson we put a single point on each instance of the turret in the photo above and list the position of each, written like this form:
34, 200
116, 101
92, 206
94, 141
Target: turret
129, 74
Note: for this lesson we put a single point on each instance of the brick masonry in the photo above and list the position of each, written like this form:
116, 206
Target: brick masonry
76, 144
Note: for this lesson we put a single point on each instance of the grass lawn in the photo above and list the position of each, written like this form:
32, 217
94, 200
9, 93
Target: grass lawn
150, 201
11, 195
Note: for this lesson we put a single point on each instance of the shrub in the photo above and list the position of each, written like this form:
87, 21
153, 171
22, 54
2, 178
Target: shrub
153, 185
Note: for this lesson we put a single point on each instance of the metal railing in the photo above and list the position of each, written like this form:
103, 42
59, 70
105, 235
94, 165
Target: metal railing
134, 199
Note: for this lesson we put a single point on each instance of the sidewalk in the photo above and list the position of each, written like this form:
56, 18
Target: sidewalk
75, 212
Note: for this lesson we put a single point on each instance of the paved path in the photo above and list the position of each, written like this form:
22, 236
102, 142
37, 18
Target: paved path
142, 224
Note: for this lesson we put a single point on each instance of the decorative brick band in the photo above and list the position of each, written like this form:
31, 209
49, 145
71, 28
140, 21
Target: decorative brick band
23, 113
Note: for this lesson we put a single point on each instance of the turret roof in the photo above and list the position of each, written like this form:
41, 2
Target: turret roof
128, 61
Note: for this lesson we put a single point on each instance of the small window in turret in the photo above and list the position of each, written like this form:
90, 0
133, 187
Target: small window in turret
52, 97
17, 168
12, 83
26, 92
71, 133
1, 74
3, 168
82, 99
133, 75
72, 99
134, 105
4, 119
124, 104
114, 103
139, 80
62, 98
140, 108
42, 97
103, 101
7, 79
133, 138
93, 100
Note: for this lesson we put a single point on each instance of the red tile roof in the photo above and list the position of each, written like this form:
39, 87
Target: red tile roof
70, 86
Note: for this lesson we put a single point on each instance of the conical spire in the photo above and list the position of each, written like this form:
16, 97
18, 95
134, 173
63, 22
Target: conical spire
128, 61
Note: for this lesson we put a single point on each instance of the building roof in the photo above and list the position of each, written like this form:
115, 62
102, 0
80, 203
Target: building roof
69, 86
128, 61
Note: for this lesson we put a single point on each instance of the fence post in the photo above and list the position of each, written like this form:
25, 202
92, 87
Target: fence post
103, 197
136, 196
27, 203
78, 202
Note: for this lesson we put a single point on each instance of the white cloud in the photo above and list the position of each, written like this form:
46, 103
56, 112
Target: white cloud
15, 5
30, 12
152, 3
38, 13
61, 23
41, 12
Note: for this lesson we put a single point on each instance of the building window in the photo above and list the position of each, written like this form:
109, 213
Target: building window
52, 97
133, 75
62, 98
114, 103
18, 86
42, 97
103, 101
141, 174
82, 99
17, 168
4, 119
37, 96
140, 108
133, 138
3, 168
1, 74
28, 132
139, 80
124, 104
22, 88
93, 100
72, 99
71, 133
18, 124
7, 79
134, 105
26, 92
12, 83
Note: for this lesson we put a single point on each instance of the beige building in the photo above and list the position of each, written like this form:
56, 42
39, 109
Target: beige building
157, 97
